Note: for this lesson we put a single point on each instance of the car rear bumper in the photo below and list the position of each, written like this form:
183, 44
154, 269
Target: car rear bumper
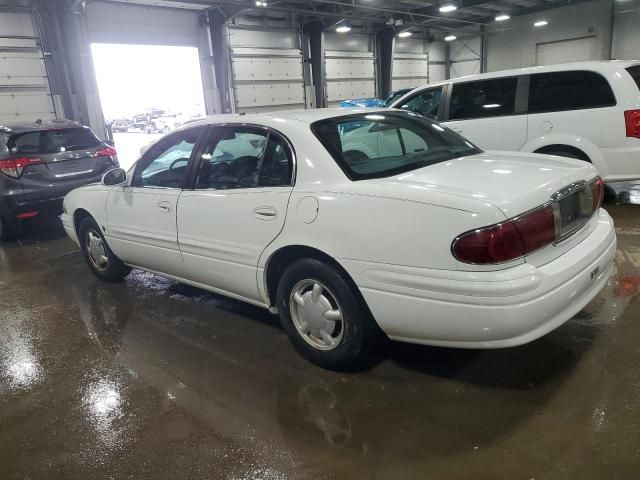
487, 309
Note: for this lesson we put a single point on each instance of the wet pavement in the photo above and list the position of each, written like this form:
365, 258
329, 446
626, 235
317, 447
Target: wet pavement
153, 379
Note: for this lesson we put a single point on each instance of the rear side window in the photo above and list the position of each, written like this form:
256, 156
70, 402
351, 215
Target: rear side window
53, 141
577, 90
635, 74
486, 98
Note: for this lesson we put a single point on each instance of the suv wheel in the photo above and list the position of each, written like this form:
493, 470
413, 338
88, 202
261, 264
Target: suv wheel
324, 318
99, 257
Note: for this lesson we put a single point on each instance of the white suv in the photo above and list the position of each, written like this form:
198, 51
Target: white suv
587, 110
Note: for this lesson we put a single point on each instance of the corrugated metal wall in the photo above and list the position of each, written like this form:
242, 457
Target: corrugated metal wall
24, 87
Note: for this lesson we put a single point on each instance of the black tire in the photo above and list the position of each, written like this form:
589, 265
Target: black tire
113, 270
356, 333
7, 230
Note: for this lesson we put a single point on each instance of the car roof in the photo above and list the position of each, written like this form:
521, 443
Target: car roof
595, 65
37, 125
276, 117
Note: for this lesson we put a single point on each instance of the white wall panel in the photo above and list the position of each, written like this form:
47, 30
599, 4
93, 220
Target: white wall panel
563, 51
626, 30
437, 73
465, 56
349, 75
24, 86
516, 46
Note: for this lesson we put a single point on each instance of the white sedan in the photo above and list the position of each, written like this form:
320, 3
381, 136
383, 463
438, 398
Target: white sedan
355, 223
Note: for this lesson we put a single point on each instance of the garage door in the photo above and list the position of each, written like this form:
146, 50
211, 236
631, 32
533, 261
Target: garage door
266, 70
349, 66
410, 70
24, 86
574, 50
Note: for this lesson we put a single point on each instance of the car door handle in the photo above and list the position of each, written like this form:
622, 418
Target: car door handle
164, 206
265, 213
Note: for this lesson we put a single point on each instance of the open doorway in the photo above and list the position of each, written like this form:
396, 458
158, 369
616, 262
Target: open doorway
146, 91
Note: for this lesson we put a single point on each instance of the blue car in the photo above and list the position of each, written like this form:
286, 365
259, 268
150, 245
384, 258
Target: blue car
374, 102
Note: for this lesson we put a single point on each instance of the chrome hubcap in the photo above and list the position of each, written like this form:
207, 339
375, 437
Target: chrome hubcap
316, 315
97, 251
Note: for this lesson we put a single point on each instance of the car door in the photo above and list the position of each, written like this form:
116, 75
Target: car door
141, 217
488, 112
236, 206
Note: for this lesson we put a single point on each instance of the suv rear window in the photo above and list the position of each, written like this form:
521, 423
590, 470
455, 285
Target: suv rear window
388, 143
484, 98
635, 74
577, 90
53, 141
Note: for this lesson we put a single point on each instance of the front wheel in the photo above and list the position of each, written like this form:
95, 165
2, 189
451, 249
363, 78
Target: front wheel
99, 257
324, 318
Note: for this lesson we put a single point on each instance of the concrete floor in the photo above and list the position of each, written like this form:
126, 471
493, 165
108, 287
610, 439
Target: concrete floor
152, 379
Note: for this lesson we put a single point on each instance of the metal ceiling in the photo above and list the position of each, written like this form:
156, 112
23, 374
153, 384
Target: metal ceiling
471, 16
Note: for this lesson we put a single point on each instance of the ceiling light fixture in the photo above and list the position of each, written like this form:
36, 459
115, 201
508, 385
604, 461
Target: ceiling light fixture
261, 3
405, 34
450, 38
344, 28
502, 17
448, 8
541, 23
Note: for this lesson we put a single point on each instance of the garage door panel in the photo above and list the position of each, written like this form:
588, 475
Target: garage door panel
349, 68
16, 24
257, 95
338, 91
250, 69
27, 106
403, 68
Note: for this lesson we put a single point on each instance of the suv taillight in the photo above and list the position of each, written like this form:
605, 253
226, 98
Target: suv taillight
632, 123
13, 167
106, 152
516, 237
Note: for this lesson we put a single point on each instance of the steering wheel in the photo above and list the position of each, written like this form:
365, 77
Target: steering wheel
172, 166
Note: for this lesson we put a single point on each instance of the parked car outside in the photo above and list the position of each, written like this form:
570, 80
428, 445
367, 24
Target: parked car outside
588, 110
398, 226
148, 115
41, 162
120, 125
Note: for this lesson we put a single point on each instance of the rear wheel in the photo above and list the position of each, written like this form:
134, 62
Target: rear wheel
99, 257
324, 318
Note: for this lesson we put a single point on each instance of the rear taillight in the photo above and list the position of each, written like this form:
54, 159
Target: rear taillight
106, 152
509, 240
632, 123
13, 167
597, 192
518, 236
496, 244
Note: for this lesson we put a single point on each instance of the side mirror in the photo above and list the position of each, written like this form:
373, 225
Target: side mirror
117, 176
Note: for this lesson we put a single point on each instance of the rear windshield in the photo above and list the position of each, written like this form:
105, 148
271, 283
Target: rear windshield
635, 74
53, 141
388, 143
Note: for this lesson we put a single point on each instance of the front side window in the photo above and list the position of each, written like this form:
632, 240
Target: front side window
425, 103
483, 98
165, 163
576, 90
389, 143
244, 157
53, 141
